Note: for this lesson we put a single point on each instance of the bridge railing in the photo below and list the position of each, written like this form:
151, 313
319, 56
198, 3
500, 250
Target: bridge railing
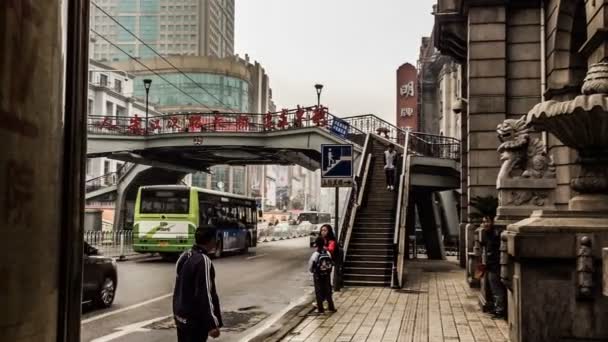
286, 119
108, 179
422, 144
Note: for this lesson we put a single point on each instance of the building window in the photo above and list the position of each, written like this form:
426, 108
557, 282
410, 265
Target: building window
121, 111
90, 107
238, 180
109, 109
118, 86
106, 167
199, 179
103, 80
219, 179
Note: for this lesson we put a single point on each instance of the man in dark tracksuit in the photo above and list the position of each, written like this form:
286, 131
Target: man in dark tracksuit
196, 306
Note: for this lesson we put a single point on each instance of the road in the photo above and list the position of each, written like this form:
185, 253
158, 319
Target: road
252, 288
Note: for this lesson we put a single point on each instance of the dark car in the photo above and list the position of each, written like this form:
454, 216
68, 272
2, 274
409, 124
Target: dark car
99, 279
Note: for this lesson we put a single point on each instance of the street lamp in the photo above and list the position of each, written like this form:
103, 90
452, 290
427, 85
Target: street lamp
147, 84
319, 88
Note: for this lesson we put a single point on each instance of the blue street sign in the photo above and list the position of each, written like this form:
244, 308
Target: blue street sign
339, 127
336, 165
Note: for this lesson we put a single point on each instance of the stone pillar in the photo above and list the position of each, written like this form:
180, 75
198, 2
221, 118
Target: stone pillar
556, 292
487, 64
432, 238
44, 56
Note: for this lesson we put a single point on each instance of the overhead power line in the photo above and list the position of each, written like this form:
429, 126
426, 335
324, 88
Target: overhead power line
149, 69
158, 54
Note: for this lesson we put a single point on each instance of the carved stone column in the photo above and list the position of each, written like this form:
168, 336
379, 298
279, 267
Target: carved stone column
555, 292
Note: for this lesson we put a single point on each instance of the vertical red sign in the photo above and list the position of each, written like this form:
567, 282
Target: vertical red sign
407, 97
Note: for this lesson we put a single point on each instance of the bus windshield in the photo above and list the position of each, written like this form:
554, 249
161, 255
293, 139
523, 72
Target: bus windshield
164, 201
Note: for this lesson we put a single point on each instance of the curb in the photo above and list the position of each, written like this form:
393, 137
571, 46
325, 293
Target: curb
286, 323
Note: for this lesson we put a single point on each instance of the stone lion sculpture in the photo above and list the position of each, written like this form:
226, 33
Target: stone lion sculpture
519, 152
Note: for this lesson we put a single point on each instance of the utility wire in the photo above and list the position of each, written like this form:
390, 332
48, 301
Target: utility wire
145, 66
158, 54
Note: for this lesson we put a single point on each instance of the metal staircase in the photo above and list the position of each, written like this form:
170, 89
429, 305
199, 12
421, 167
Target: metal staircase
375, 226
370, 254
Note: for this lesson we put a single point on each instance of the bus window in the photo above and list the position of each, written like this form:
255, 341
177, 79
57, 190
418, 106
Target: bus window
165, 201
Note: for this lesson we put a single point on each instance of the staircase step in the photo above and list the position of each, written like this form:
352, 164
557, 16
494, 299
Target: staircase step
367, 277
375, 271
384, 235
358, 283
369, 252
362, 239
368, 258
369, 263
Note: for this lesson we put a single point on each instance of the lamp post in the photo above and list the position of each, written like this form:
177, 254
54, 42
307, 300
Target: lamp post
319, 88
147, 84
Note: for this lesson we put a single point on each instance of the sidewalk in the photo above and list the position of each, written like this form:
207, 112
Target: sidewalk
436, 306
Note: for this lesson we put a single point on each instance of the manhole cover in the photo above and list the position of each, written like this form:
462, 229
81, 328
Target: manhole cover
236, 321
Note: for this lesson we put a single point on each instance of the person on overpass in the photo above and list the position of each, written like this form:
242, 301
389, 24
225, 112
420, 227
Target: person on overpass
196, 306
390, 158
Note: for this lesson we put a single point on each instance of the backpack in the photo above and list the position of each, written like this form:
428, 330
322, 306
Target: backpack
324, 264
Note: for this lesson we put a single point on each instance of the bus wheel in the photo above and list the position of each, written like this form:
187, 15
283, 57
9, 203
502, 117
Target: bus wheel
219, 248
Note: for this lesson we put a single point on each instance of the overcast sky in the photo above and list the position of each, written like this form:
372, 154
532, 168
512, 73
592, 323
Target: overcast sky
353, 47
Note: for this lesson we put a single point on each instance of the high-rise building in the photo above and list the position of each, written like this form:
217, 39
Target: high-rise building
186, 27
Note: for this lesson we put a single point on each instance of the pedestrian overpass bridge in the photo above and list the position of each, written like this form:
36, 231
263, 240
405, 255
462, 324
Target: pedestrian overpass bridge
164, 149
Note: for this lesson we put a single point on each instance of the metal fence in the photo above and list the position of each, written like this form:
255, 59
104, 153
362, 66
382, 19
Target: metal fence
116, 244
422, 144
109, 179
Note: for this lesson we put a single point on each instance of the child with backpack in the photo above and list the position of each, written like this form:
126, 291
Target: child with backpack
320, 265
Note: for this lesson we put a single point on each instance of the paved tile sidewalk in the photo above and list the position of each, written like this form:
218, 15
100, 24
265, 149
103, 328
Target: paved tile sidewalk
436, 306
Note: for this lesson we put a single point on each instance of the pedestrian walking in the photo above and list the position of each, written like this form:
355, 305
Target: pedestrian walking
196, 306
390, 157
320, 265
491, 241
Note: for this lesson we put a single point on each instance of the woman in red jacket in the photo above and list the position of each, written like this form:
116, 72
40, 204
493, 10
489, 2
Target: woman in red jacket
330, 240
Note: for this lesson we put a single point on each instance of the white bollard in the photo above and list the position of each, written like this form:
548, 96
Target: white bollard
122, 246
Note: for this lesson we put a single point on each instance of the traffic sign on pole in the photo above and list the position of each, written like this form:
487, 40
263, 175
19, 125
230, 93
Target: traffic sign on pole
336, 165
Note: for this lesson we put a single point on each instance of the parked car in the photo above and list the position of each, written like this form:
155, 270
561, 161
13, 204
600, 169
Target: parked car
100, 278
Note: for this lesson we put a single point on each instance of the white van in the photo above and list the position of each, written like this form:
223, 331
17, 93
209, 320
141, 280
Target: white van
313, 221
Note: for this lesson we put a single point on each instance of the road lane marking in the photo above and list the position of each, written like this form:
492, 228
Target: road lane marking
256, 256
129, 329
275, 318
134, 306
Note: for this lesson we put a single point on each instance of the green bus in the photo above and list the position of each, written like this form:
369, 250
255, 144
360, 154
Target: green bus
166, 217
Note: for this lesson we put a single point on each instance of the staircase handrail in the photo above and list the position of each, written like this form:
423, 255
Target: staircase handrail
354, 201
400, 215
353, 198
